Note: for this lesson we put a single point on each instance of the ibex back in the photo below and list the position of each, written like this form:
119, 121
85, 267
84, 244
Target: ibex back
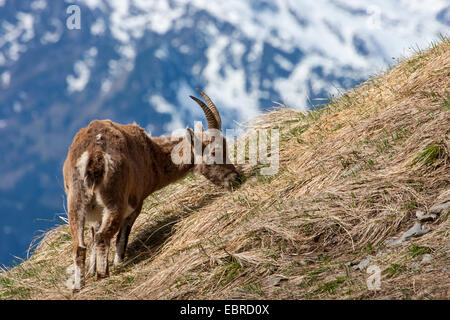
110, 170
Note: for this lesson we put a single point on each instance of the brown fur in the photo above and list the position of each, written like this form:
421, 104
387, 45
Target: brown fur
122, 166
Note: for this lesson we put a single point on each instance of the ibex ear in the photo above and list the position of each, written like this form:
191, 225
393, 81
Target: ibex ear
196, 140
191, 134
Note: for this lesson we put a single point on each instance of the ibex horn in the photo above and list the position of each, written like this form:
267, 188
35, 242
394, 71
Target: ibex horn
210, 110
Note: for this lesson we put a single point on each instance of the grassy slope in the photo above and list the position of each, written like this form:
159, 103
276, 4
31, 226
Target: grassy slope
352, 176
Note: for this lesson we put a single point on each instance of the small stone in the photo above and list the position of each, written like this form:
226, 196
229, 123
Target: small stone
426, 258
393, 242
297, 280
422, 217
275, 281
440, 208
428, 217
419, 214
362, 264
302, 262
415, 265
417, 230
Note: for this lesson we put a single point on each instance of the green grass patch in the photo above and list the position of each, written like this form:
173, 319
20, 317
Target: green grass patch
443, 99
330, 286
253, 288
230, 270
429, 154
318, 271
394, 269
10, 289
410, 205
416, 250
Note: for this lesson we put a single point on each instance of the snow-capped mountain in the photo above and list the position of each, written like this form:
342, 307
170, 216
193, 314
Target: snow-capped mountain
139, 60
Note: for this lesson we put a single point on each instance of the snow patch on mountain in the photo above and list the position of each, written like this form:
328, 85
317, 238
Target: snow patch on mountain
355, 37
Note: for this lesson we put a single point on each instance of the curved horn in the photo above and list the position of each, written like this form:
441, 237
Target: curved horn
210, 118
213, 108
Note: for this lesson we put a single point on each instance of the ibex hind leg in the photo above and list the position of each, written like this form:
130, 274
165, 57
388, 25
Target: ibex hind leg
93, 255
76, 222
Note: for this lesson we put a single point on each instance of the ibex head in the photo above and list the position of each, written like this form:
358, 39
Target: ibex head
214, 162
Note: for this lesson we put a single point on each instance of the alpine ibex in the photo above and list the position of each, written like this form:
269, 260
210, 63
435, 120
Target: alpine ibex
111, 168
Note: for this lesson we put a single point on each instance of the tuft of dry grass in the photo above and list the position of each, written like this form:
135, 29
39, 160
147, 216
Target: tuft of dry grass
352, 174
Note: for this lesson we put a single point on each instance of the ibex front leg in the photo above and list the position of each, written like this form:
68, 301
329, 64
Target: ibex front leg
124, 233
110, 225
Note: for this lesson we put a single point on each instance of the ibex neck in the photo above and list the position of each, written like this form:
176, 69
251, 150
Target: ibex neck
167, 170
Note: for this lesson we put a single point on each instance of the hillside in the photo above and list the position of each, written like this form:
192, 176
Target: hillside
138, 61
352, 177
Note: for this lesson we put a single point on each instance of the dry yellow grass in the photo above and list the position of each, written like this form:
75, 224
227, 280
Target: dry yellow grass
352, 176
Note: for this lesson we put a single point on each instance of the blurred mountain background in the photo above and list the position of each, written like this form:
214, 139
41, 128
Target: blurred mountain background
138, 61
